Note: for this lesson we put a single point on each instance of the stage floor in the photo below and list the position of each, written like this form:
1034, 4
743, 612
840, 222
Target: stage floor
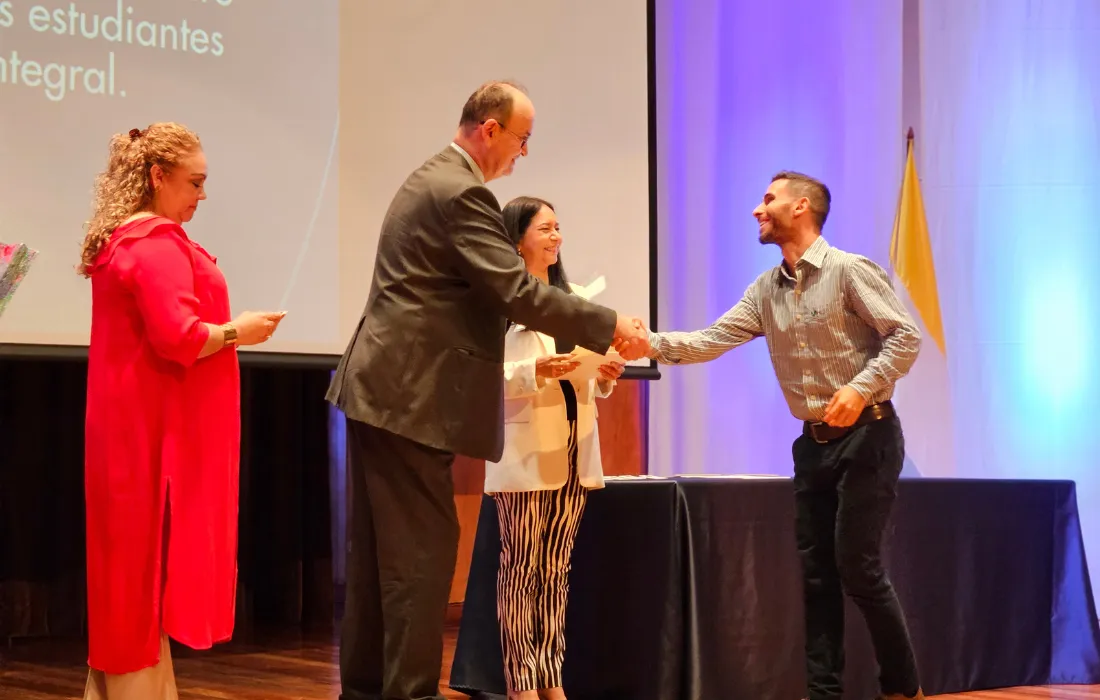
282, 669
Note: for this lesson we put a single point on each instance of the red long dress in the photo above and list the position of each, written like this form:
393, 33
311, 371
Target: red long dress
162, 449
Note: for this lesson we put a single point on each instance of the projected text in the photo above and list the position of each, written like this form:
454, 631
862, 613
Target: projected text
107, 35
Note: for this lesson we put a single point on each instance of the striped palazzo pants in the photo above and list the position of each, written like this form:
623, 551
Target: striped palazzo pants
537, 529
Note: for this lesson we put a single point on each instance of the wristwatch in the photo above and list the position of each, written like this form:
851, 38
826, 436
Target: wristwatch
230, 333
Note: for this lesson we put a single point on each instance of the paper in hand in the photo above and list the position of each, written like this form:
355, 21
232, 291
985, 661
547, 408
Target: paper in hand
590, 363
15, 261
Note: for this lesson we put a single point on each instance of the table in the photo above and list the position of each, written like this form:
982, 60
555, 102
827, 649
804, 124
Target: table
688, 589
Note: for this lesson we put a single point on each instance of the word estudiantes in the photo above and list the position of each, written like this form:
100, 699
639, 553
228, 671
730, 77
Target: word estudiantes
118, 27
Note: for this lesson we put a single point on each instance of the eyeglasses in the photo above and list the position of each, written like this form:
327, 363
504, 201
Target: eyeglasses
522, 139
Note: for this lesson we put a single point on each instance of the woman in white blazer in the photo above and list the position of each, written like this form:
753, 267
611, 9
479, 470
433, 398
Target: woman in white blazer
551, 459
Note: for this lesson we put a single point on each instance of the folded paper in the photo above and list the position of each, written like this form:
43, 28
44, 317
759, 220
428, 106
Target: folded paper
589, 364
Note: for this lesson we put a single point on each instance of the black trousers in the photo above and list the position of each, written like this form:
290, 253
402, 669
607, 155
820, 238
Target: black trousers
844, 492
403, 547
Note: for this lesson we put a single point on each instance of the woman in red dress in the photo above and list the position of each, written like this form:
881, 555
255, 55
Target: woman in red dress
162, 431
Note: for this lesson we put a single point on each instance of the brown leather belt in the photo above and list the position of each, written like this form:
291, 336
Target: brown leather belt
823, 433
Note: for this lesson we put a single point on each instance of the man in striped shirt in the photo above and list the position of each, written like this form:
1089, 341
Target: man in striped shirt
839, 339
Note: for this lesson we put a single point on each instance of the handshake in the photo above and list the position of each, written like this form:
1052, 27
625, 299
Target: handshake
631, 338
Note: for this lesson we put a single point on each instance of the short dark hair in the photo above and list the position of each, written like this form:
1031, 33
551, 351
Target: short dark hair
493, 100
517, 218
812, 189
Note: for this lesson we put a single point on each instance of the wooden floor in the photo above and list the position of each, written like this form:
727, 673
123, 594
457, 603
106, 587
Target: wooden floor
283, 669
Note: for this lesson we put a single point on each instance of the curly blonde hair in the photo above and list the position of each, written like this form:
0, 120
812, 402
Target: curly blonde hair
126, 187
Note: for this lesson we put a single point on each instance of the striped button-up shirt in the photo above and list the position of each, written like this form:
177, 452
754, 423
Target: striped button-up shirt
835, 323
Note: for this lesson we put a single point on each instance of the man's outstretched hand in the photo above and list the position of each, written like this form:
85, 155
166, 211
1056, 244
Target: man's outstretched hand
631, 338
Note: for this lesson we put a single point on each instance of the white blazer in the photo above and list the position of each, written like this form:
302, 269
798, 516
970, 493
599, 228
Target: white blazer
536, 430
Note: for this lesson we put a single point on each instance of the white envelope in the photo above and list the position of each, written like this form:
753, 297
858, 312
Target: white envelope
590, 363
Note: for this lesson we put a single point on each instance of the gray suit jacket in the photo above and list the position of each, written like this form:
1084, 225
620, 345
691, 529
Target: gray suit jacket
426, 361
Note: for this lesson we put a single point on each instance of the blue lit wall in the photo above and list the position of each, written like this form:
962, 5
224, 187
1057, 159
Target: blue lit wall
1011, 171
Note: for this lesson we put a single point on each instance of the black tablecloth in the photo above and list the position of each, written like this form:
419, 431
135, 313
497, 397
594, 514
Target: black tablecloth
689, 588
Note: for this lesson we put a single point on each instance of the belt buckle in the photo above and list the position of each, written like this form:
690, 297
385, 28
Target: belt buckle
813, 432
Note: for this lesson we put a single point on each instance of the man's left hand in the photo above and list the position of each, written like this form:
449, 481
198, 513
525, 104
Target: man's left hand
844, 408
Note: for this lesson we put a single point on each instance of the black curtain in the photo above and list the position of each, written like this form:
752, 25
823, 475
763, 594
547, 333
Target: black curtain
286, 563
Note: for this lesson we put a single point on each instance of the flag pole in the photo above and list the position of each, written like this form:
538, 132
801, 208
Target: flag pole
904, 165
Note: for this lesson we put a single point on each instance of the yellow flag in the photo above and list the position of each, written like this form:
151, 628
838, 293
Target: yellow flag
911, 252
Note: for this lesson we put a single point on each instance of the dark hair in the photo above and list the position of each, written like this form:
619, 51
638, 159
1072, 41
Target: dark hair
517, 218
493, 100
810, 188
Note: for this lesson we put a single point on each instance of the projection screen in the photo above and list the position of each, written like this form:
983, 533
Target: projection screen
311, 115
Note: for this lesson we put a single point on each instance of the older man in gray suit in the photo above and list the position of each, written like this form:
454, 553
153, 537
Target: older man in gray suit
422, 380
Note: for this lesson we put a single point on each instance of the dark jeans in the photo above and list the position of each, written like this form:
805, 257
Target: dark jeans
844, 491
404, 543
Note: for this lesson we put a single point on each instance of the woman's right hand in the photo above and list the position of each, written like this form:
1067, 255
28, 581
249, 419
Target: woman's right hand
255, 327
554, 366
